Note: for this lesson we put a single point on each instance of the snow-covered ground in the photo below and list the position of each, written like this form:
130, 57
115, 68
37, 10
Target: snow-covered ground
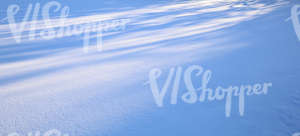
54, 84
